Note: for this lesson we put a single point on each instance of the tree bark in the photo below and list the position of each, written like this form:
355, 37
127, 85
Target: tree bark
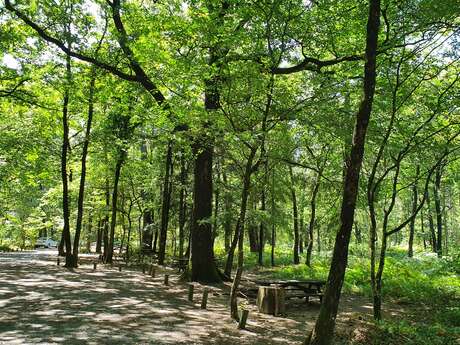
99, 237
410, 251
69, 259
324, 327
165, 205
240, 231
295, 218
311, 224
203, 265
437, 205
81, 191
182, 205
434, 244
113, 221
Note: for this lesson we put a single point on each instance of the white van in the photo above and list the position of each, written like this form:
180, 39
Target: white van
46, 243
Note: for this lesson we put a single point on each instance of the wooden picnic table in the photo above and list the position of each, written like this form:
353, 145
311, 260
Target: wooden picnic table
307, 288
180, 263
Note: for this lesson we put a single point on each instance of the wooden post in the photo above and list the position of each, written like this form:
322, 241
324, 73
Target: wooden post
270, 300
152, 272
94, 265
243, 319
166, 279
58, 261
119, 268
190, 292
204, 300
143, 268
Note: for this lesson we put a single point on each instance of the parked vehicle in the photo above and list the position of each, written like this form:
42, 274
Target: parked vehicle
46, 243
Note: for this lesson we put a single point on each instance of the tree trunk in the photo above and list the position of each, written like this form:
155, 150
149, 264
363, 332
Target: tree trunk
69, 259
203, 265
295, 218
324, 327
81, 191
273, 235
311, 224
240, 231
105, 234
182, 205
227, 214
431, 224
437, 205
165, 205
99, 237
410, 251
113, 222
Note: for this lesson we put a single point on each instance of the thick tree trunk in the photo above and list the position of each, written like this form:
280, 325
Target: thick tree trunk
165, 205
203, 265
81, 191
410, 250
295, 219
324, 327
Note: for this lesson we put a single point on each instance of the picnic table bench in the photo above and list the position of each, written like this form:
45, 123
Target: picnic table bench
180, 263
298, 288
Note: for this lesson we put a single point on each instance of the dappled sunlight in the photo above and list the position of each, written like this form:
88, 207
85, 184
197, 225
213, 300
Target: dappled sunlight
44, 303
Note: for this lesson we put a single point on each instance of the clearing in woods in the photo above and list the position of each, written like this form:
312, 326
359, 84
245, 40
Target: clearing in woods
41, 302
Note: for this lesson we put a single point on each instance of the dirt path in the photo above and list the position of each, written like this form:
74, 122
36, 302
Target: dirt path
41, 302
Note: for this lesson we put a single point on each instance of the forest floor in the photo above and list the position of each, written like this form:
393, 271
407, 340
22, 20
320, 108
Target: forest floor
41, 302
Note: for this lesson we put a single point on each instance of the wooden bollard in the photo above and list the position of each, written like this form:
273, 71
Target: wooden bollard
94, 265
58, 261
152, 272
190, 292
204, 300
143, 269
119, 268
166, 279
243, 318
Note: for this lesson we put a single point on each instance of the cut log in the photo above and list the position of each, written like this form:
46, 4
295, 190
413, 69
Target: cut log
270, 300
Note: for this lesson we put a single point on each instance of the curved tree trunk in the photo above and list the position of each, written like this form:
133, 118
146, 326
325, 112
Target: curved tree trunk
240, 231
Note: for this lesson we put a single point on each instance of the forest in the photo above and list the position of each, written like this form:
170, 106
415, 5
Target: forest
235, 147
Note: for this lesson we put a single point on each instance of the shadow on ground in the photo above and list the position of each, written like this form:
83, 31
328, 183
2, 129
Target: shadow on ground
41, 302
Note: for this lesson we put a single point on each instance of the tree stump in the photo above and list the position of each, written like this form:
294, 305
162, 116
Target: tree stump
270, 300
